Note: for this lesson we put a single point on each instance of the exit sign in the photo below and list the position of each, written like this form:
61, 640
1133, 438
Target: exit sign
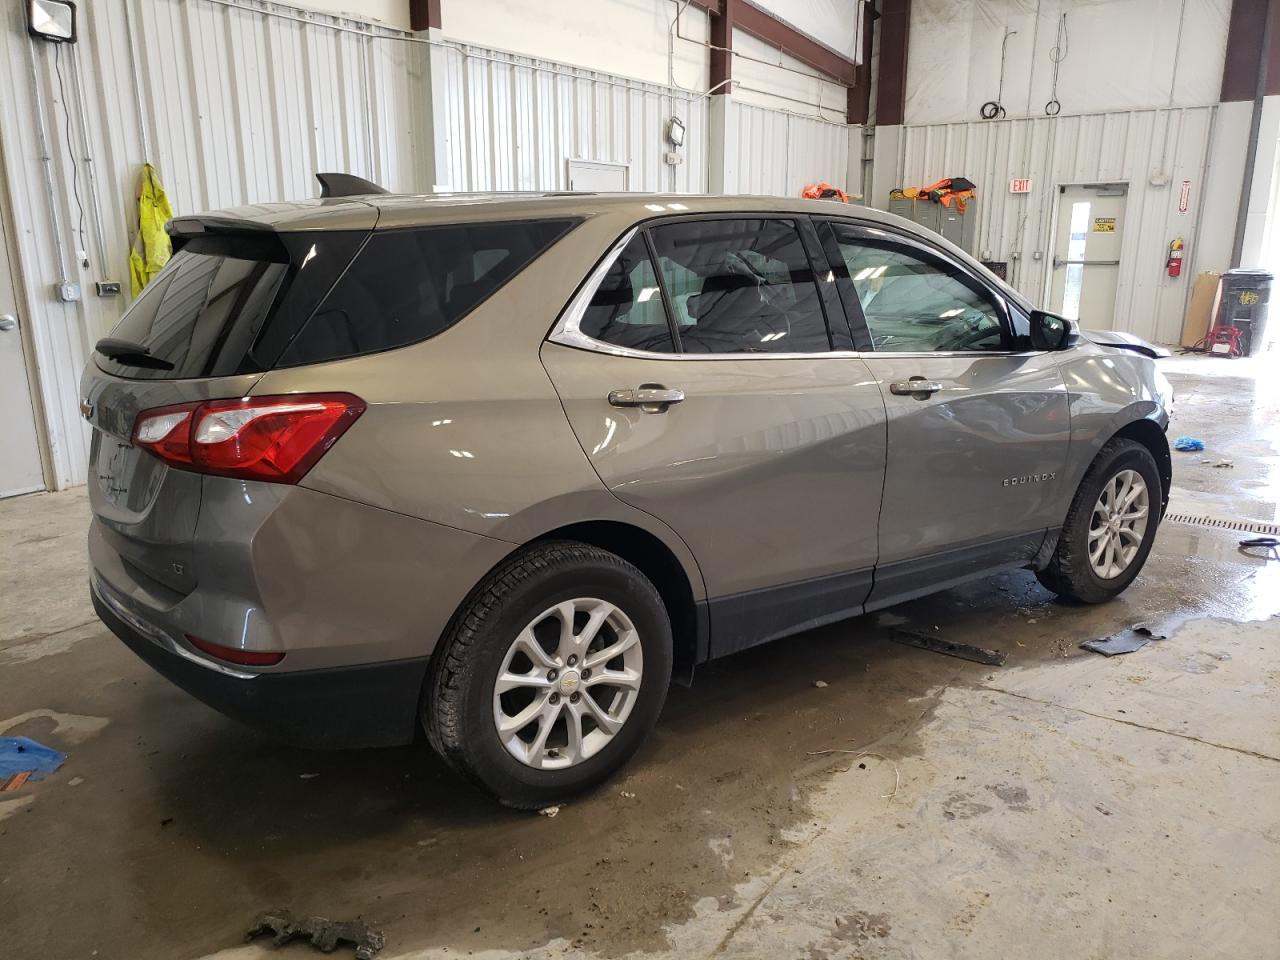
1020, 185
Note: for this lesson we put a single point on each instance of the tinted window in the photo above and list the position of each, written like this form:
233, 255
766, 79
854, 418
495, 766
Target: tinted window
408, 285
741, 286
229, 303
916, 303
627, 308
185, 314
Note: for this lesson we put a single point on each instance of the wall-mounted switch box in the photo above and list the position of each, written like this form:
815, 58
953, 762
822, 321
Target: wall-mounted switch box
68, 291
108, 288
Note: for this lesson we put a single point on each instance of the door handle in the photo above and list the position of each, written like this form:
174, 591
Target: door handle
646, 396
917, 387
8, 322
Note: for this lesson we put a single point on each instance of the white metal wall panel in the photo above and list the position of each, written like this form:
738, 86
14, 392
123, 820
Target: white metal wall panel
241, 102
779, 153
513, 123
1125, 147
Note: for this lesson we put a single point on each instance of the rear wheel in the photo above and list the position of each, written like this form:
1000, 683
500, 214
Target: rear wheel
1110, 527
551, 675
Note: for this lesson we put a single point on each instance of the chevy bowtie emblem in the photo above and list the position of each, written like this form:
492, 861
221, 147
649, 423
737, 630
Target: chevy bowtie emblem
86, 409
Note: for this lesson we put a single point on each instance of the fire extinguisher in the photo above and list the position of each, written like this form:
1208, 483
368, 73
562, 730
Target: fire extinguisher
1174, 264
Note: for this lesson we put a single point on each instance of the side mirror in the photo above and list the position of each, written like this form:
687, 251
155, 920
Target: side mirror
1051, 332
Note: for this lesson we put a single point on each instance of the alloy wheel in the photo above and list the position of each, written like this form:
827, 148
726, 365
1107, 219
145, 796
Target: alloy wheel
567, 684
1119, 524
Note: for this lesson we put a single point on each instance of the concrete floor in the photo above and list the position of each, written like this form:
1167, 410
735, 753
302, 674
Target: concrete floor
917, 806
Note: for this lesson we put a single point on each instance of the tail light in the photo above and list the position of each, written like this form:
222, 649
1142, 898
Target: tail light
277, 439
246, 658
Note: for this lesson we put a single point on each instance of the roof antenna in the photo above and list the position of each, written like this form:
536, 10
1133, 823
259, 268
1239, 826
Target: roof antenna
346, 185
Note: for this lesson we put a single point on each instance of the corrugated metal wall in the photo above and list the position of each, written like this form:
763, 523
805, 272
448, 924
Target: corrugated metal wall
1104, 147
779, 153
242, 101
512, 123
237, 106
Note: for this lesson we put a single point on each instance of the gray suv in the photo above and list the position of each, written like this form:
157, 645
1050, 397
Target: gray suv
499, 468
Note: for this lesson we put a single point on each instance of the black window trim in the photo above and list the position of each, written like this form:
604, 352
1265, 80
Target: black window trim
566, 331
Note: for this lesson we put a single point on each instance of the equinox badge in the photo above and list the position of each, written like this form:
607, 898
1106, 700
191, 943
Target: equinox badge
1032, 478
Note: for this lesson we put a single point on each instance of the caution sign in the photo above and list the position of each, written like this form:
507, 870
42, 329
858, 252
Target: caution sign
1249, 297
1104, 224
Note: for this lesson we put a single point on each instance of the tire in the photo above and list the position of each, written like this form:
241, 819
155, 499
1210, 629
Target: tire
462, 707
1071, 572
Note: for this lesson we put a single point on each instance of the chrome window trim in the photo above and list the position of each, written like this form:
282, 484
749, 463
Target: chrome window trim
568, 333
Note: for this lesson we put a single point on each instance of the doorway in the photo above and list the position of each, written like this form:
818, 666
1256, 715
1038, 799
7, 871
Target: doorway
1086, 252
20, 468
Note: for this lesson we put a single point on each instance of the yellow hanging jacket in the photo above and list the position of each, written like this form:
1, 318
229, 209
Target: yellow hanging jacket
151, 246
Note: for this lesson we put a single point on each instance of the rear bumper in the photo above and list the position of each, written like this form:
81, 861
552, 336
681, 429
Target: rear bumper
360, 706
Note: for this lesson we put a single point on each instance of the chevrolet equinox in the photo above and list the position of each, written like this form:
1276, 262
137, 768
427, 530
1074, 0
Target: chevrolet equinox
498, 468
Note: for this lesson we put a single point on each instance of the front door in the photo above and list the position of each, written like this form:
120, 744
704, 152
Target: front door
706, 393
1086, 255
978, 423
20, 470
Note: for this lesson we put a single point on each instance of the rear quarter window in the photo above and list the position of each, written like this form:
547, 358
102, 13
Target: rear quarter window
406, 286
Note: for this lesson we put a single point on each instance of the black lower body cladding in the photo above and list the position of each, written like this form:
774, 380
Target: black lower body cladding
375, 705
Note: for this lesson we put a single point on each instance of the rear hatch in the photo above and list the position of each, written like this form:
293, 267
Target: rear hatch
217, 317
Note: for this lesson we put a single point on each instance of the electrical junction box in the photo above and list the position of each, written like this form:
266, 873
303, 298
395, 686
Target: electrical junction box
672, 158
108, 288
68, 291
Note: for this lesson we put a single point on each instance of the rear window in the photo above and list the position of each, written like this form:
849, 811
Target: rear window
406, 286
230, 304
248, 302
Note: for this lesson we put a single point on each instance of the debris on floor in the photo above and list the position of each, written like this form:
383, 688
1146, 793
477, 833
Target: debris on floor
22, 759
1270, 547
1221, 464
965, 651
324, 934
820, 684
549, 811
1187, 444
1126, 641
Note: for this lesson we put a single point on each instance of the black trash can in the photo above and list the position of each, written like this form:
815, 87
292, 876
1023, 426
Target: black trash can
1246, 295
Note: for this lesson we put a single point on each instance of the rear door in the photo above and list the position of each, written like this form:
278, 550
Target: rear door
705, 390
978, 423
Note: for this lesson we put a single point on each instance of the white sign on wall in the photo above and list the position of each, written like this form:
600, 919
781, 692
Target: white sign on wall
1020, 185
1184, 197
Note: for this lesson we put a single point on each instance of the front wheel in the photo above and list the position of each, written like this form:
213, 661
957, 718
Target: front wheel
1110, 527
551, 675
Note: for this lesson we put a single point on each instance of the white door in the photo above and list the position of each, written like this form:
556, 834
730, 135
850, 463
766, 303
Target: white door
1086, 253
20, 470
597, 176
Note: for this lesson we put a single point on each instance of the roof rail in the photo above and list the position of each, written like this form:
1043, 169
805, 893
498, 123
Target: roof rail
346, 185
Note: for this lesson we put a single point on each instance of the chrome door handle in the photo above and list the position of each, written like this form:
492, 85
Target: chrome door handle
646, 395
8, 322
917, 387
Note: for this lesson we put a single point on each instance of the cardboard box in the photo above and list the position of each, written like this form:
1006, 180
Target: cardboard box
1202, 308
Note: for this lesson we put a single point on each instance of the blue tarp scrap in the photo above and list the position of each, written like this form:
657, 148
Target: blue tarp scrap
22, 753
1188, 444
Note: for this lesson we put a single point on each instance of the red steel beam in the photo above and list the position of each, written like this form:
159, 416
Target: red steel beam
424, 14
721, 37
891, 96
1244, 47
763, 25
858, 107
